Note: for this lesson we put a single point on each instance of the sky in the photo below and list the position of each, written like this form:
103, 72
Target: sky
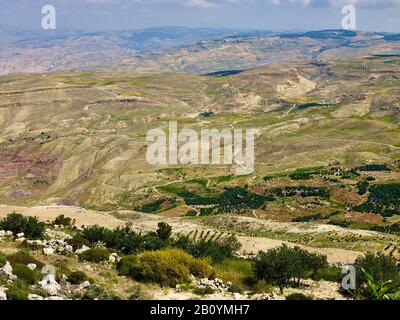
274, 15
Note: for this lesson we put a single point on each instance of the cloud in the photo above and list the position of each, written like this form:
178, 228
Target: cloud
209, 4
373, 4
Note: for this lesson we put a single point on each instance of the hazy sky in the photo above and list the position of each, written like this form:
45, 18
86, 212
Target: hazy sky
377, 15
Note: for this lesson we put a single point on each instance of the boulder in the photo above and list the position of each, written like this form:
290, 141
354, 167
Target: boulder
48, 251
114, 258
20, 235
82, 250
32, 266
84, 285
3, 295
20, 240
7, 270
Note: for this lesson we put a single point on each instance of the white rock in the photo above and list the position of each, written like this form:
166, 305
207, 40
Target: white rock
48, 251
3, 295
82, 250
20, 240
9, 233
20, 235
2, 233
84, 285
35, 297
32, 266
114, 258
237, 296
7, 270
55, 298
50, 285
69, 248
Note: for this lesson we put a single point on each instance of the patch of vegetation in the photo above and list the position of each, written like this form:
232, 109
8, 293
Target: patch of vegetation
19, 290
78, 241
392, 228
305, 173
96, 255
203, 291
232, 200
23, 258
17, 223
207, 114
217, 250
284, 266
298, 296
61, 220
123, 239
373, 167
382, 268
303, 191
97, 292
25, 274
157, 206
383, 199
313, 217
168, 267
77, 277
328, 273
3, 259
362, 187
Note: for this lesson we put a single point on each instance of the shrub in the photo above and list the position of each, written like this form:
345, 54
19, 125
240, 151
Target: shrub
164, 231
333, 274
124, 239
18, 291
203, 291
377, 290
237, 271
282, 265
96, 292
77, 277
77, 242
2, 259
24, 258
298, 296
138, 293
262, 286
236, 288
216, 250
61, 220
381, 268
167, 267
62, 267
25, 274
17, 223
96, 255
96, 233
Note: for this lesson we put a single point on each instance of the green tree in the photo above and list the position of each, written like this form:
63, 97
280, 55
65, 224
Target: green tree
164, 231
283, 266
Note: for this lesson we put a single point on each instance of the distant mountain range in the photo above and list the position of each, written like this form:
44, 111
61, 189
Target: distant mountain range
179, 49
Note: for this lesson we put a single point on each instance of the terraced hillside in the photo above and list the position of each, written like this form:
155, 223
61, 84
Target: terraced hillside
80, 138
